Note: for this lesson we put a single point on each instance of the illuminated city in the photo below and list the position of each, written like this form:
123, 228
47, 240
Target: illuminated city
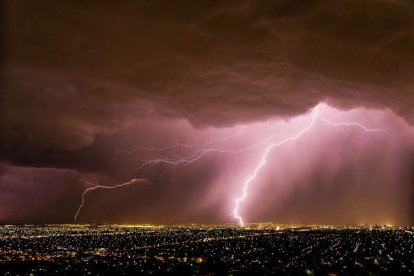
192, 249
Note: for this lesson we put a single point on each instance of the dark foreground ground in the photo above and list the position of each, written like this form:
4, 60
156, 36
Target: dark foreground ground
258, 249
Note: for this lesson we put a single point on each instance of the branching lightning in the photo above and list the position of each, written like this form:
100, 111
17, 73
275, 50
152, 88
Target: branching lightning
190, 153
199, 153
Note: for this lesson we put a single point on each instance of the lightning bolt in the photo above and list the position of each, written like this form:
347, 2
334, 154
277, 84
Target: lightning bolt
263, 160
97, 186
193, 152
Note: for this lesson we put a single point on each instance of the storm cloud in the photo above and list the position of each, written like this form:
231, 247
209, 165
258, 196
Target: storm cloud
213, 64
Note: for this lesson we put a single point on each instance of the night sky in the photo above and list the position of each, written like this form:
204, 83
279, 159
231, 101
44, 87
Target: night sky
91, 90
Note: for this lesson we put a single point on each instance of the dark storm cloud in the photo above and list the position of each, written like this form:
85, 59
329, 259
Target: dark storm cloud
72, 70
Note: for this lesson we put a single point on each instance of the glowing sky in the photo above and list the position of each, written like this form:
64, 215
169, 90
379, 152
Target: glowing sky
93, 92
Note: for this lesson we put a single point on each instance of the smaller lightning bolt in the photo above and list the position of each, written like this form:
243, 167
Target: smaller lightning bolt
239, 133
198, 154
263, 160
97, 186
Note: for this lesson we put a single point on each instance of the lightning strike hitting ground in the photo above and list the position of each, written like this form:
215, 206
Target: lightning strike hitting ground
262, 163
97, 186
